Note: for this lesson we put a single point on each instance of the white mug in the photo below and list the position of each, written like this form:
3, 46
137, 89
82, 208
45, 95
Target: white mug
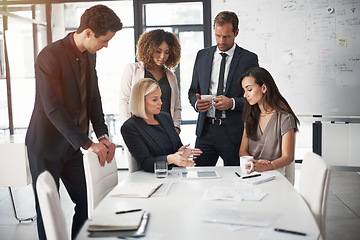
245, 160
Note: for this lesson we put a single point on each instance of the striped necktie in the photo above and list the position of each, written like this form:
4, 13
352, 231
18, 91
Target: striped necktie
220, 89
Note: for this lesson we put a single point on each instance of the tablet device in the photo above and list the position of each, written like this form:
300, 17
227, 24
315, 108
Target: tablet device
200, 174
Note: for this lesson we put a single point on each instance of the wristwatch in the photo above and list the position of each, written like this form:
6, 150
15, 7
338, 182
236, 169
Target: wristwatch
103, 136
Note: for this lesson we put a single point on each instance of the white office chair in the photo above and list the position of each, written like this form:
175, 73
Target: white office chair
290, 172
50, 207
314, 187
133, 167
99, 180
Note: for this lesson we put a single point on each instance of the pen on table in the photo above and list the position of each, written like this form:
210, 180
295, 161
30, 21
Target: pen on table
289, 231
251, 176
129, 211
237, 174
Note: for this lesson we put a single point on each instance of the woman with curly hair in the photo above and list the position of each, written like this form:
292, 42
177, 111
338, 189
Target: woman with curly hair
158, 54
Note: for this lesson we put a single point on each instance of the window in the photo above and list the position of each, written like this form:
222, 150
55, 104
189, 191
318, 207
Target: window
20, 50
112, 60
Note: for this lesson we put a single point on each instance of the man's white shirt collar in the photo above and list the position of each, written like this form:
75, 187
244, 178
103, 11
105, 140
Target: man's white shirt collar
229, 52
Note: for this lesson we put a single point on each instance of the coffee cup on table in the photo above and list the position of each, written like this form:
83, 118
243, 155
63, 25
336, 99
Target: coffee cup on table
244, 160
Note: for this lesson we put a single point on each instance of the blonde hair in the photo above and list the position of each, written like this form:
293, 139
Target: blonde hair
141, 89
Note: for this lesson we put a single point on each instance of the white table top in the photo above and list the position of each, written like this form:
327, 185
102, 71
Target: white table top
180, 214
12, 138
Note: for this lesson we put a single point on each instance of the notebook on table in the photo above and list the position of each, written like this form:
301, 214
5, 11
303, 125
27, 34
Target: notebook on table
263, 177
136, 190
119, 225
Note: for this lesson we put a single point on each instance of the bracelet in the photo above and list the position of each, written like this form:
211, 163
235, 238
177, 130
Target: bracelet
273, 165
103, 136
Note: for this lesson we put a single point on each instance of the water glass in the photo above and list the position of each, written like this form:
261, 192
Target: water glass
161, 169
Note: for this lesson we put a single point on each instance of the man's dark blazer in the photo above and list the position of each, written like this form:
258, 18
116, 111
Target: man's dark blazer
241, 61
53, 127
144, 145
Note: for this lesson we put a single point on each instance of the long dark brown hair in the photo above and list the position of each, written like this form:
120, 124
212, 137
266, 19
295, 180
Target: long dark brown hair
272, 98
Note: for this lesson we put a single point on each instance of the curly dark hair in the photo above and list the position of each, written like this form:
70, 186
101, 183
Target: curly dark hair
272, 97
150, 41
100, 19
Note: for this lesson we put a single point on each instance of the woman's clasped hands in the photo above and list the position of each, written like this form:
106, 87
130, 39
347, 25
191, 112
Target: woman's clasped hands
260, 165
185, 156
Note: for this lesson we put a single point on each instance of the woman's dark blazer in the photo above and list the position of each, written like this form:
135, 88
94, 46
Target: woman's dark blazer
143, 146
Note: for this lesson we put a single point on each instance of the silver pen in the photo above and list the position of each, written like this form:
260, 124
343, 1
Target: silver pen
143, 224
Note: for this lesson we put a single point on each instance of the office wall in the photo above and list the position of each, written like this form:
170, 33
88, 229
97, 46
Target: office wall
311, 47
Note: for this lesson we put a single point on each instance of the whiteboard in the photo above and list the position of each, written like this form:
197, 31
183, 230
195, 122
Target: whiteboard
311, 48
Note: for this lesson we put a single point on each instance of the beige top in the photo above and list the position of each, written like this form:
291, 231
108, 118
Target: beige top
132, 73
268, 145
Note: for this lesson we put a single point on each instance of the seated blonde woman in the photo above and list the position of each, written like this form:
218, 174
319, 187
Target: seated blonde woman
150, 134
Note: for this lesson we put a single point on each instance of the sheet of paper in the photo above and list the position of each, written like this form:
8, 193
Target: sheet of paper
233, 194
270, 234
235, 216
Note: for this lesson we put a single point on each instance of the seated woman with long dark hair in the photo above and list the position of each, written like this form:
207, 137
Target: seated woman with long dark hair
270, 123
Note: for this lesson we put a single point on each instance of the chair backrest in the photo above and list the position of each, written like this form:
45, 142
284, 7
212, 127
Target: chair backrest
99, 180
314, 187
50, 207
290, 172
133, 167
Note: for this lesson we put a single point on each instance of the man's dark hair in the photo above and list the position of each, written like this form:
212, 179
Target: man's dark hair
100, 19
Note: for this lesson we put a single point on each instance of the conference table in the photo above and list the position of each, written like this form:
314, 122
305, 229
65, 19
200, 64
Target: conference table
183, 212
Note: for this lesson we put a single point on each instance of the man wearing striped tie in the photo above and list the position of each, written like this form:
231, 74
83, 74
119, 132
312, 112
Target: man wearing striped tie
216, 72
67, 100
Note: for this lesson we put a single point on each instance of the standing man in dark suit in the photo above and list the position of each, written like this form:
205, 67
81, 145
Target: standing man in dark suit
216, 71
67, 98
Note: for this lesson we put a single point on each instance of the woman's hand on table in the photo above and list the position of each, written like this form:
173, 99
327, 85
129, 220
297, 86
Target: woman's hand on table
260, 165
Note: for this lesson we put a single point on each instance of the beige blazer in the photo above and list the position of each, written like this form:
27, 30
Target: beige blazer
132, 73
